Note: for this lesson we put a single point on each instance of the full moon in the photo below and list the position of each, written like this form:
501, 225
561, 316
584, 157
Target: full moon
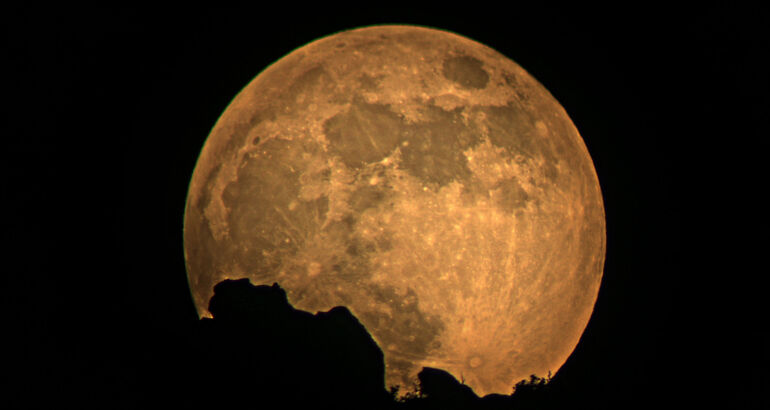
419, 178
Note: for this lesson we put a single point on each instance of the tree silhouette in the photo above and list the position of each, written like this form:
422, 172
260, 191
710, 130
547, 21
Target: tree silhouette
258, 350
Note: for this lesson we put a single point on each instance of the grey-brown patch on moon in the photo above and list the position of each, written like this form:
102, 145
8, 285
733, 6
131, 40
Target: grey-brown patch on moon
425, 150
368, 83
365, 133
509, 195
421, 179
465, 71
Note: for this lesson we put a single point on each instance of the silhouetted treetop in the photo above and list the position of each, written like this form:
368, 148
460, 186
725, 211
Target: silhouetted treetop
240, 300
257, 348
259, 351
440, 384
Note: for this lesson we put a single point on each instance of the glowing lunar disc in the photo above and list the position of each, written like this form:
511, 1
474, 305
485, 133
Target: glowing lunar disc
421, 179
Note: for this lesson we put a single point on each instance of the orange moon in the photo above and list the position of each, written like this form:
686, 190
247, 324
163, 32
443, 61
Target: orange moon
419, 178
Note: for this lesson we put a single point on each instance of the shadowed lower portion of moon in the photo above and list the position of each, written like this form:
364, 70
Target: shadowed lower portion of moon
421, 179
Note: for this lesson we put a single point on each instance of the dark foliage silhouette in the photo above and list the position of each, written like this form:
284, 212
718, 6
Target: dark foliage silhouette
440, 390
259, 349
259, 352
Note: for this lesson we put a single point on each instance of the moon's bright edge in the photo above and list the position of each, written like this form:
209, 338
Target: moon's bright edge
421, 179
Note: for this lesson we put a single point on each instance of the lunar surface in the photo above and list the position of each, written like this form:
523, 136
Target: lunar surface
419, 178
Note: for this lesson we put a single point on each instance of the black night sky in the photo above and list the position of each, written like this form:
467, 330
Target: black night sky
109, 109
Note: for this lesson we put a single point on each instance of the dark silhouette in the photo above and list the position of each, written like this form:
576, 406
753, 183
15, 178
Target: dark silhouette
258, 350
440, 390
